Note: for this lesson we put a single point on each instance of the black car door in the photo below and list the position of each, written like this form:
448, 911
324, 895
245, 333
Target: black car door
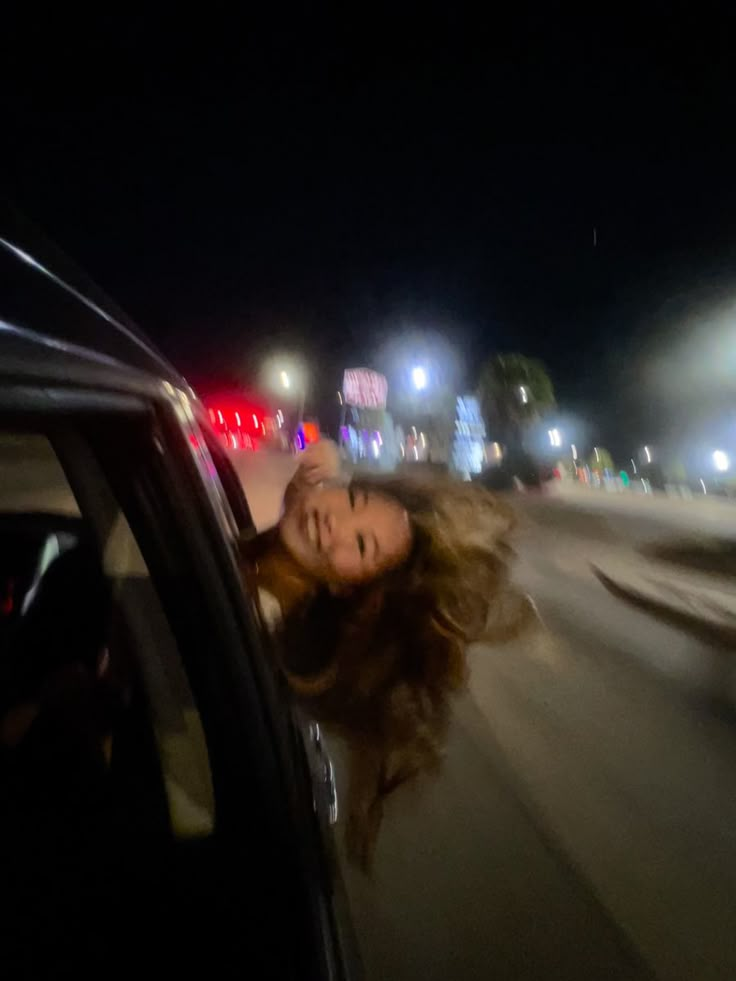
214, 859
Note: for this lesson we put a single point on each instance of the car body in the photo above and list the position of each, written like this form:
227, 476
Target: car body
207, 849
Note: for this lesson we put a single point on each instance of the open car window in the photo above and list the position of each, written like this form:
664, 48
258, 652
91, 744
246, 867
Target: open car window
97, 719
230, 483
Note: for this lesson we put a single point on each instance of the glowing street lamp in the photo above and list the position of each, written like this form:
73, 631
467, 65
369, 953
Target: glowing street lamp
555, 437
419, 378
286, 376
721, 461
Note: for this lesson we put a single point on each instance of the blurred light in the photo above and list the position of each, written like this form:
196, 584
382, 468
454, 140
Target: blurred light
414, 431
212, 416
597, 454
285, 380
702, 484
496, 447
22, 255
280, 417
416, 453
721, 461
554, 437
255, 420
633, 464
219, 416
524, 395
574, 451
419, 377
311, 432
339, 397
379, 438
375, 447
8, 602
237, 419
423, 439
648, 454
233, 441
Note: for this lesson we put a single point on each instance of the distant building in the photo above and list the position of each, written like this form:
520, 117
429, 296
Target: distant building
469, 439
367, 431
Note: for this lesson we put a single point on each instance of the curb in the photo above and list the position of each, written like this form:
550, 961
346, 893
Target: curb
713, 631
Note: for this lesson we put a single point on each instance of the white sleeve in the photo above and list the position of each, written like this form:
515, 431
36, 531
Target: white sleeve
270, 610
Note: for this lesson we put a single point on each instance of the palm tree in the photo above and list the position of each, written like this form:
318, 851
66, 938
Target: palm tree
514, 391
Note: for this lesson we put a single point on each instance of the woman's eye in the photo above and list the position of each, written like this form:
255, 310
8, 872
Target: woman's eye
361, 545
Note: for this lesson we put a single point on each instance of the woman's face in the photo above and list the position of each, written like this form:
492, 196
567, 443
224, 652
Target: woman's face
341, 535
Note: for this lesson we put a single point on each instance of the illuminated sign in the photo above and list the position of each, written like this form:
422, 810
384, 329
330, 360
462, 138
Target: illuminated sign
365, 389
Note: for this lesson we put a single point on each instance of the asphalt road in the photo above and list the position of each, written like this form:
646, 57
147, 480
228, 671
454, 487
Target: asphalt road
583, 826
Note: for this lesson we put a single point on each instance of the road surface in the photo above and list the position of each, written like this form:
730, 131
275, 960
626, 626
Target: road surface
583, 826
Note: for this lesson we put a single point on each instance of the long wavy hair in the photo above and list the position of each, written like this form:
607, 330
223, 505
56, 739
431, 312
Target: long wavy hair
380, 662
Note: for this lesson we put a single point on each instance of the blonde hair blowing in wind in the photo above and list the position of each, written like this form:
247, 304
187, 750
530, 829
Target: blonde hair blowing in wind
395, 647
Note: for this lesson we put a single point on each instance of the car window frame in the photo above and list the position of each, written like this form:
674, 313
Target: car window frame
178, 486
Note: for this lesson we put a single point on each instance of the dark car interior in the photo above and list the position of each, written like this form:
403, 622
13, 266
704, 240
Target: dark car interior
28, 545
67, 689
91, 872
79, 775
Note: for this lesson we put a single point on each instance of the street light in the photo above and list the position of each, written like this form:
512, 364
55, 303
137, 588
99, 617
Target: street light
523, 395
555, 438
721, 461
648, 454
285, 375
419, 377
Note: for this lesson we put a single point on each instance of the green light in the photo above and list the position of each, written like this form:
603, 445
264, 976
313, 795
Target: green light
624, 478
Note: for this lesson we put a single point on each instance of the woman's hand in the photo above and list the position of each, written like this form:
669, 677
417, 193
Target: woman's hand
318, 463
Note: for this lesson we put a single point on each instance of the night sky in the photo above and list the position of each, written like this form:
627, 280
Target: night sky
320, 184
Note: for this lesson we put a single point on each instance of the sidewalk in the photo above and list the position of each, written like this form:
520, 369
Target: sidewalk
701, 603
700, 510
